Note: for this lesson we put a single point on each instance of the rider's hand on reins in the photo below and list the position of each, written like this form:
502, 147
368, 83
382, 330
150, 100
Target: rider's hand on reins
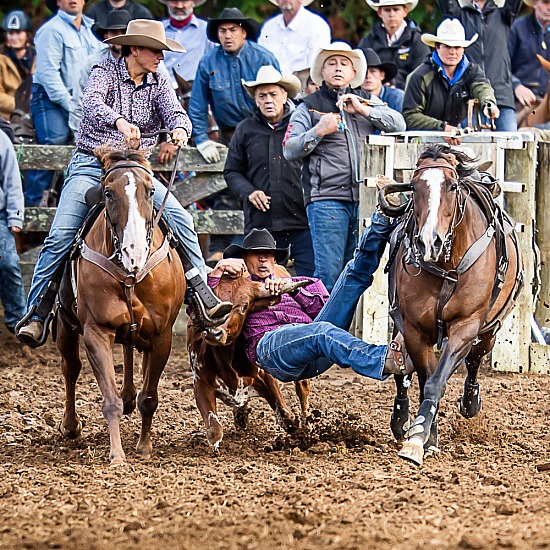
353, 104
130, 131
179, 137
166, 152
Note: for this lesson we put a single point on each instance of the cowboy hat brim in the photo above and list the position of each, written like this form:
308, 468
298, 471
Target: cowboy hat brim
390, 70
251, 26
146, 42
357, 57
237, 251
431, 40
411, 4
290, 83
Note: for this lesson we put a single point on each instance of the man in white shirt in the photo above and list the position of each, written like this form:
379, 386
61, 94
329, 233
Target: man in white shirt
295, 35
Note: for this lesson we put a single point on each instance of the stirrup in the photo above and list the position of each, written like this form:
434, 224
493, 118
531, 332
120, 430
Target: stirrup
45, 328
199, 309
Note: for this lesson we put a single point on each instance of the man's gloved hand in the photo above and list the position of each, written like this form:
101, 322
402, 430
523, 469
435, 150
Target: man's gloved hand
210, 150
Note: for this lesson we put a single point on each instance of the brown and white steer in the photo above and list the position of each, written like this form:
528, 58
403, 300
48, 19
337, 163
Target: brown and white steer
541, 114
221, 369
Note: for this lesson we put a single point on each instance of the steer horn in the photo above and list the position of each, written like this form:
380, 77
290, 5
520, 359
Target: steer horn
289, 288
388, 209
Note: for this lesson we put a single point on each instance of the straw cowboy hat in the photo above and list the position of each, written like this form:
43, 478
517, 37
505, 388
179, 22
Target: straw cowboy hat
374, 62
257, 239
451, 33
117, 20
411, 4
270, 75
148, 34
357, 57
197, 2
232, 15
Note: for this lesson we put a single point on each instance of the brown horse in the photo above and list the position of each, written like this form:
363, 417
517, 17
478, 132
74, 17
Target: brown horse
456, 274
129, 289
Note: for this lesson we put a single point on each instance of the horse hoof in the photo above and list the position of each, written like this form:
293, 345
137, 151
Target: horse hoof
431, 451
214, 433
117, 461
471, 408
129, 407
144, 451
413, 451
70, 433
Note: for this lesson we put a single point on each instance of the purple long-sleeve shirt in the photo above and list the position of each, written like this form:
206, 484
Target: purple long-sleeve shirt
111, 94
301, 308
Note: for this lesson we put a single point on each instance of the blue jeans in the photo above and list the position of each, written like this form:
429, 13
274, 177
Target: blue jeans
301, 249
506, 122
300, 351
358, 273
84, 172
12, 292
52, 128
334, 234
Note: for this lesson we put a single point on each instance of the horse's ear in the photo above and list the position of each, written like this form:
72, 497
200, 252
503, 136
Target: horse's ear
102, 154
183, 85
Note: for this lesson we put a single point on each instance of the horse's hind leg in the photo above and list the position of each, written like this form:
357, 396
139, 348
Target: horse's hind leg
470, 403
399, 422
154, 362
303, 388
128, 392
67, 344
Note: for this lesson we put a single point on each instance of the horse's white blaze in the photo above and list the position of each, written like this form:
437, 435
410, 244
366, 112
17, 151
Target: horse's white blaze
135, 248
434, 177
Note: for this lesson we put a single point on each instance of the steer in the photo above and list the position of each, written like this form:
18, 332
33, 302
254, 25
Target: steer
221, 368
541, 114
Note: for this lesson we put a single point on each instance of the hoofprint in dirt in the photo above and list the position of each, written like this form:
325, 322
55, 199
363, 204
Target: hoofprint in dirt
338, 485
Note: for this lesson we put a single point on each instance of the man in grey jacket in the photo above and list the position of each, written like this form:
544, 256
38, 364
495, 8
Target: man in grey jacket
11, 221
327, 130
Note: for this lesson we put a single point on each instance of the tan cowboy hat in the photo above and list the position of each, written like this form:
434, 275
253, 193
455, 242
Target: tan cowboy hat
304, 2
498, 3
357, 57
411, 4
270, 75
148, 34
451, 33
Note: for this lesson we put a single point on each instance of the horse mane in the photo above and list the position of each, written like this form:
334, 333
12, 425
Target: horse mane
464, 164
108, 156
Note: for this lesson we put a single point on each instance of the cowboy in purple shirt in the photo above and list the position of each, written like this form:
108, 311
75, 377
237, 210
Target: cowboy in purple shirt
284, 339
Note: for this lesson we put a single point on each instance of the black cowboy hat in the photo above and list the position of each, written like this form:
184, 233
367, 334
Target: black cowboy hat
117, 20
232, 15
257, 239
389, 68
52, 5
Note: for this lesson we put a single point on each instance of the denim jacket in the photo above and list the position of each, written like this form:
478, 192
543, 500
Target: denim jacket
218, 84
61, 51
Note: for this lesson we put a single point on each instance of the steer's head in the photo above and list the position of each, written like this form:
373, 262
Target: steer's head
247, 296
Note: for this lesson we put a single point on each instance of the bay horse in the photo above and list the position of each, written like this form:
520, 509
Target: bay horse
456, 274
123, 285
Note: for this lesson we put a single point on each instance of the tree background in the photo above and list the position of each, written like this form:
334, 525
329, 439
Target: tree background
350, 20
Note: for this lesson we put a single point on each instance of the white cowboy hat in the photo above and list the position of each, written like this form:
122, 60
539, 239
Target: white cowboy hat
526, 2
270, 75
304, 2
357, 57
148, 34
411, 4
498, 3
451, 33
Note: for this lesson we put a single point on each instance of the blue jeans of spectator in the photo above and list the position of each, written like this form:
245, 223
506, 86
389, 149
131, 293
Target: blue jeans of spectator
358, 273
334, 227
300, 351
84, 172
52, 128
301, 249
12, 292
506, 122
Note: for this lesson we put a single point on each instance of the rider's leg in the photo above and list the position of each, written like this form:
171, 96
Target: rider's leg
84, 172
181, 223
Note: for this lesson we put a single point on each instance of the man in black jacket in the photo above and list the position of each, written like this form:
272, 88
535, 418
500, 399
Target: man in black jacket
491, 20
257, 172
395, 38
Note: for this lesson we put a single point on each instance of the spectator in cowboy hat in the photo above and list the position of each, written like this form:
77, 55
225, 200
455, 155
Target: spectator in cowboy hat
115, 25
257, 172
295, 35
218, 84
437, 92
99, 11
63, 45
491, 20
378, 76
396, 38
327, 131
529, 37
120, 94
185, 27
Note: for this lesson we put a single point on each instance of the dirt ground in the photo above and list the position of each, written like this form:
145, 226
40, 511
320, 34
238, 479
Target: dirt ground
339, 485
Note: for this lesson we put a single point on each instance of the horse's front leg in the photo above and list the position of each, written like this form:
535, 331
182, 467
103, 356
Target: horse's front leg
99, 348
459, 343
399, 422
154, 361
128, 392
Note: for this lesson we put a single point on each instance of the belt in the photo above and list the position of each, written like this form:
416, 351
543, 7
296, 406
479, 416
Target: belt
85, 151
